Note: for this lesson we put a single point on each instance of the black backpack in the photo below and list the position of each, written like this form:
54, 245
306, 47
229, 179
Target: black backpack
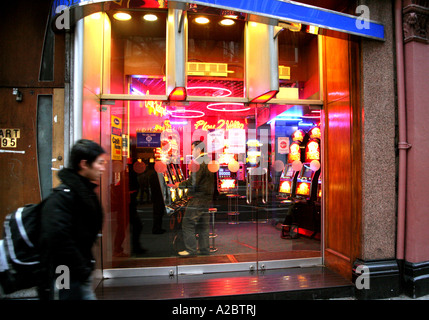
20, 266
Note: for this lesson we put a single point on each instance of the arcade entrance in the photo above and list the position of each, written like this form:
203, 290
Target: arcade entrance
266, 208
251, 91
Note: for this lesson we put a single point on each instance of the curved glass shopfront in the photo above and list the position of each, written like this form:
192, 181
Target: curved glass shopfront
266, 157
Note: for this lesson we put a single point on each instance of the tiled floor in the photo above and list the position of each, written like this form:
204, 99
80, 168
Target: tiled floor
291, 283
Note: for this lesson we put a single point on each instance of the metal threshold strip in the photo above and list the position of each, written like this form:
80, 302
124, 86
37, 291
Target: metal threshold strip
210, 268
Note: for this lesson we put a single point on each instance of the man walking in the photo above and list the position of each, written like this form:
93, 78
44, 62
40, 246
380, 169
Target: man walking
71, 220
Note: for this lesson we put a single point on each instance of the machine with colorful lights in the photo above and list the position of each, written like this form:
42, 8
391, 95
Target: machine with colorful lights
288, 178
227, 181
304, 214
175, 199
308, 179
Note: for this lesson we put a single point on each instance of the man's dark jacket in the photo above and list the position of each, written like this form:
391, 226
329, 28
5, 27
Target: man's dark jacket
71, 220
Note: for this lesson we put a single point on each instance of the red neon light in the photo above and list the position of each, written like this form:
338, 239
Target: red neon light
178, 94
265, 97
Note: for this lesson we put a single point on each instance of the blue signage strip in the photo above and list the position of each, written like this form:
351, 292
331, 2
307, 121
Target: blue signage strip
297, 12
283, 10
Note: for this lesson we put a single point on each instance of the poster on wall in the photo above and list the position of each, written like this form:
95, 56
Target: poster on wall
215, 141
148, 139
283, 145
237, 140
116, 138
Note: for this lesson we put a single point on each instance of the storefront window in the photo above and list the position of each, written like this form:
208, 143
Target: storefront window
149, 143
298, 64
215, 56
138, 53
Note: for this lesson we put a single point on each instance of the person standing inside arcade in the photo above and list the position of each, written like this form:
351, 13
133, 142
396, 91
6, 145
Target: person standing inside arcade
196, 220
71, 220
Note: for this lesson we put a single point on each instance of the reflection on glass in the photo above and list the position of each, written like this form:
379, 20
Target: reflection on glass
138, 53
215, 57
298, 65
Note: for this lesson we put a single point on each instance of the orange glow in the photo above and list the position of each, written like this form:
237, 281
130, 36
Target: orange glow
227, 184
294, 152
298, 135
312, 151
265, 97
285, 187
315, 133
303, 189
178, 94
312, 29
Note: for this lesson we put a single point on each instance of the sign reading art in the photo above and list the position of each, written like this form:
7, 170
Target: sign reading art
9, 137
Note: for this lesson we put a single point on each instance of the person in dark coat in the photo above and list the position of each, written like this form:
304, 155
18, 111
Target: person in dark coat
200, 186
71, 220
158, 205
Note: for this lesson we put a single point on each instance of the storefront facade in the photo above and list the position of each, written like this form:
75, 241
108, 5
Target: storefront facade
147, 84
174, 81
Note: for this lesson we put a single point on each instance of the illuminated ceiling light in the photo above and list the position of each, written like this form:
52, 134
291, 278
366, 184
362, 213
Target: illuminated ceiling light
150, 17
312, 29
265, 97
216, 107
96, 16
186, 114
201, 20
227, 22
122, 16
178, 94
217, 91
229, 14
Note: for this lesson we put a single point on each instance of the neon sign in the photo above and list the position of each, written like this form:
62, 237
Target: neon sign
221, 124
155, 108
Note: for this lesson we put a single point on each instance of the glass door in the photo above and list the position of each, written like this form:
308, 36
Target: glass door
284, 183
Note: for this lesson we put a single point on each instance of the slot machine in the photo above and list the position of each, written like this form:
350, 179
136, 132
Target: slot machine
288, 178
169, 196
308, 180
288, 182
306, 209
226, 179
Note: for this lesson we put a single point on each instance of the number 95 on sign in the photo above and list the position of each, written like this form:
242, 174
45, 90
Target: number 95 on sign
9, 137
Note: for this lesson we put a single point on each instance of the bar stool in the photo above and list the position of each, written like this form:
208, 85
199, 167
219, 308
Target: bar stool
233, 208
212, 234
